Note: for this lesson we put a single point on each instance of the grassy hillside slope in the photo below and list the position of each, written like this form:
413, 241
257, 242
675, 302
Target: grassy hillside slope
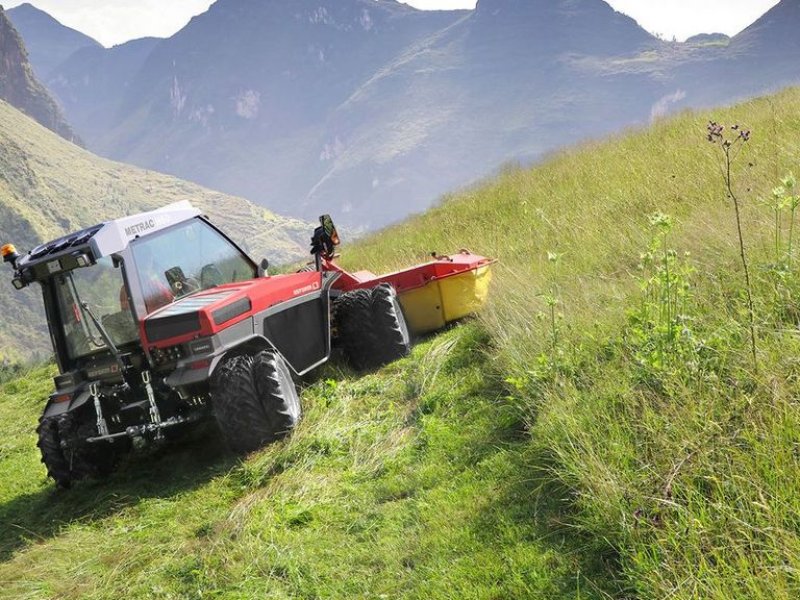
49, 187
601, 431
680, 457
410, 482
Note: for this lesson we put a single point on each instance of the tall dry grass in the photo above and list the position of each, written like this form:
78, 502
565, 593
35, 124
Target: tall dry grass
687, 475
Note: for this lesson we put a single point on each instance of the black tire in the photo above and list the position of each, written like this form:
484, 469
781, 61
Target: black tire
371, 328
391, 327
52, 454
67, 455
86, 461
354, 328
255, 400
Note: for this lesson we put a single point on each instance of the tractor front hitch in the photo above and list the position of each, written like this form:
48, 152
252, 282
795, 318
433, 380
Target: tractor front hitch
139, 432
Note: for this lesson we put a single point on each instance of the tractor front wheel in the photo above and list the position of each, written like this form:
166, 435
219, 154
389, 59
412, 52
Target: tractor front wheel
52, 454
67, 455
255, 400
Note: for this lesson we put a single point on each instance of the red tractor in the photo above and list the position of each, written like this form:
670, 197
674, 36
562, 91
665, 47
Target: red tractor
159, 321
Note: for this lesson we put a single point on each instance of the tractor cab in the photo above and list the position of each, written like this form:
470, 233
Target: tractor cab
100, 283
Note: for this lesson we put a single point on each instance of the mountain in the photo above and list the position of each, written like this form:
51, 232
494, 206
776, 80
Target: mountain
768, 51
49, 187
20, 88
763, 58
49, 42
719, 39
240, 97
92, 83
774, 35
370, 109
367, 109
509, 82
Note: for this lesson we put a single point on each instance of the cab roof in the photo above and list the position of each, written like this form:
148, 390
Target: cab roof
110, 237
87, 246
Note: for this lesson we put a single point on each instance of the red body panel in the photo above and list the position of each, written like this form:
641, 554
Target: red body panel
263, 293
412, 278
268, 291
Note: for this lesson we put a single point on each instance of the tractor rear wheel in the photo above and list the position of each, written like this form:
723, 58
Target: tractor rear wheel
390, 323
67, 455
371, 327
92, 461
255, 400
354, 328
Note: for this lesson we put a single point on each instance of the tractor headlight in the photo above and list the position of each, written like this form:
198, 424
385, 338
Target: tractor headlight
18, 283
164, 356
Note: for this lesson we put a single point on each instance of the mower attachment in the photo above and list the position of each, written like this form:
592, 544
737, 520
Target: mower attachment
432, 294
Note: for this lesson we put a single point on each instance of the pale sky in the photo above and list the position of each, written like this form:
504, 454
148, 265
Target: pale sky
115, 21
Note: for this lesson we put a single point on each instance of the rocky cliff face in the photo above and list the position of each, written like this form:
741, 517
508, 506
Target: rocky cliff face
20, 88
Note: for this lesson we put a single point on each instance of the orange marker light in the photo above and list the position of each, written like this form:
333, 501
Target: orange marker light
7, 250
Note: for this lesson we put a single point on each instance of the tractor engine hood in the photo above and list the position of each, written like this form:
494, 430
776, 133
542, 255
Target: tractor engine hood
206, 313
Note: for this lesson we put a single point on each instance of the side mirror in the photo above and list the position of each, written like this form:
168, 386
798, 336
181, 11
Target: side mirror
330, 229
325, 239
263, 268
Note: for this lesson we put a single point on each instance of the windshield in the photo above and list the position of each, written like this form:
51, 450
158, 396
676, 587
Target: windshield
185, 259
101, 287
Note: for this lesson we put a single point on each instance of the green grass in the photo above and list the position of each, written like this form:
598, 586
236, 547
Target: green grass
411, 482
630, 459
687, 472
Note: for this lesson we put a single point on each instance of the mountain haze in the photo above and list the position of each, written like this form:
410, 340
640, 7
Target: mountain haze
504, 83
372, 109
92, 83
241, 96
49, 187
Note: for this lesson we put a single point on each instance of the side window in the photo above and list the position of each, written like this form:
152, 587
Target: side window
101, 289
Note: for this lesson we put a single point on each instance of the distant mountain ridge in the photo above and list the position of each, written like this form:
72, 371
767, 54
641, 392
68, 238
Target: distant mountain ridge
774, 34
49, 42
20, 88
371, 109
93, 81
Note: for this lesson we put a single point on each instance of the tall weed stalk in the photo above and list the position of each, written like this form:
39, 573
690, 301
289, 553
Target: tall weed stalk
731, 146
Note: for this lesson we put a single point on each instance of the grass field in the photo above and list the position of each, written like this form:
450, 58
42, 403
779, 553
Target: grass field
600, 431
411, 482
